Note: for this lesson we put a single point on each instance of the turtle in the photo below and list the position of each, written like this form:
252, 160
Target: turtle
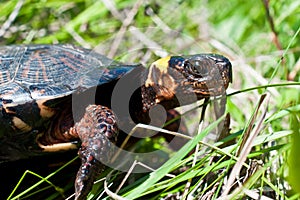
59, 97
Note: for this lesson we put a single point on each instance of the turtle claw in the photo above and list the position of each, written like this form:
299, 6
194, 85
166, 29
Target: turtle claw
98, 131
86, 174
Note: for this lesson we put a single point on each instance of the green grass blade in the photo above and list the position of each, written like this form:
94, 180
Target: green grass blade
168, 166
294, 159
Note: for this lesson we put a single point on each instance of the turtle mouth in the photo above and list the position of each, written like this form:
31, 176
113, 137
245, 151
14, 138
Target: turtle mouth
208, 86
207, 91
205, 88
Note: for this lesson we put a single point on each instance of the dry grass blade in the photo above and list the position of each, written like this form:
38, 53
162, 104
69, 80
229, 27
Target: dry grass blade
126, 23
11, 18
271, 22
111, 6
112, 194
295, 71
188, 184
168, 166
149, 127
157, 49
134, 164
127, 175
247, 134
246, 146
77, 37
255, 195
154, 128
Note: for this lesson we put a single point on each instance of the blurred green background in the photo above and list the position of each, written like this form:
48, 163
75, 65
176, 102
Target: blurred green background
259, 37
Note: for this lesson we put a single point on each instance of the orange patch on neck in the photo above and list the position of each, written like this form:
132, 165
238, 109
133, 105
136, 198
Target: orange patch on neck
156, 69
160, 80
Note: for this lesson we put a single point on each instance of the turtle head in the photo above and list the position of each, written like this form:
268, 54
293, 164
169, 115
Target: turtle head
204, 75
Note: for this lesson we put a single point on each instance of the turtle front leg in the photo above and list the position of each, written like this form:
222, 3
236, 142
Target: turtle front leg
98, 132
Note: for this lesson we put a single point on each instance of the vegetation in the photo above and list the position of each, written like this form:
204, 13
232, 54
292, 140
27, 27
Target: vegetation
261, 38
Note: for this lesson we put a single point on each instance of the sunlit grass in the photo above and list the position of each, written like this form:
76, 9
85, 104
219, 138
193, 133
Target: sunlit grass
265, 61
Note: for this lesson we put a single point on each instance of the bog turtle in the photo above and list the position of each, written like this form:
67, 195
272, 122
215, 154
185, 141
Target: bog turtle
45, 103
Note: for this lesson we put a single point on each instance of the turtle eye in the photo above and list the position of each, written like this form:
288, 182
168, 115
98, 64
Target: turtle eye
194, 68
188, 66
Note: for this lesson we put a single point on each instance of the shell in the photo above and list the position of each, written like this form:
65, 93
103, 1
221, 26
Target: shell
35, 72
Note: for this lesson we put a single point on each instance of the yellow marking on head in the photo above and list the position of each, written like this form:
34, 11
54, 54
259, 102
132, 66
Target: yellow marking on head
156, 69
162, 64
160, 79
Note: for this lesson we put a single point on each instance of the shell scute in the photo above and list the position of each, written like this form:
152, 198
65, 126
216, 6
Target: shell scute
49, 71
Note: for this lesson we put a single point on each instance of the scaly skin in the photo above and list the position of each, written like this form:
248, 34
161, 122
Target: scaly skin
203, 75
38, 83
98, 131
